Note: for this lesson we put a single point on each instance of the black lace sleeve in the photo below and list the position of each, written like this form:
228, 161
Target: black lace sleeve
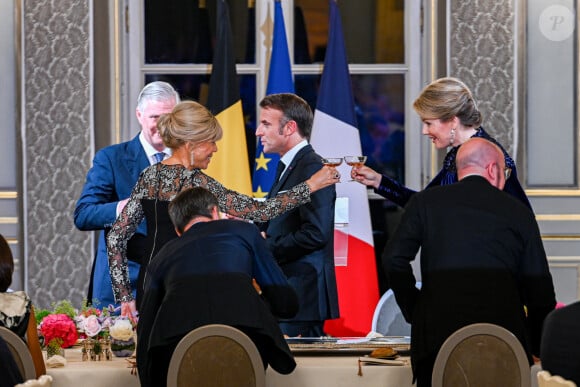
246, 207
121, 231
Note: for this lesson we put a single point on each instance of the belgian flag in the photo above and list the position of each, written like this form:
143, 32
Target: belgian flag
230, 164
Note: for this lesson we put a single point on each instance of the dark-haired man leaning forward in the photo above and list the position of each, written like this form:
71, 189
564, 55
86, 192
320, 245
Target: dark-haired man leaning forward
205, 277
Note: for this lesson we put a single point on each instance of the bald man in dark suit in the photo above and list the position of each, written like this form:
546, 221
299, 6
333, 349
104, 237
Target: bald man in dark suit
482, 260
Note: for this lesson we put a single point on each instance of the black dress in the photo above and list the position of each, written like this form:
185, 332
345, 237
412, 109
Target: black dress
160, 231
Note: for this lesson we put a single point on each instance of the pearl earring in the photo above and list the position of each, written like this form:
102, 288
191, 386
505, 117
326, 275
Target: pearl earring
452, 139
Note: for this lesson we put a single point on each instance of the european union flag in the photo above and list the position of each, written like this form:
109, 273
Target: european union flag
279, 81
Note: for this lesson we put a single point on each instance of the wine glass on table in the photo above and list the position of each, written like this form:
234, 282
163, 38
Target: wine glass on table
332, 162
355, 161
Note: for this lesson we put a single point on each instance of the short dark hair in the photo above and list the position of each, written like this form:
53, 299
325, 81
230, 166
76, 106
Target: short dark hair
190, 203
293, 108
6, 264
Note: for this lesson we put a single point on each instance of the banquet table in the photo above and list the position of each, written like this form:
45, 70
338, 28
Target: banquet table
320, 370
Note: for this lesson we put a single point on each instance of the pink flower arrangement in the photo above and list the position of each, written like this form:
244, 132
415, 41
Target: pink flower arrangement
91, 325
59, 327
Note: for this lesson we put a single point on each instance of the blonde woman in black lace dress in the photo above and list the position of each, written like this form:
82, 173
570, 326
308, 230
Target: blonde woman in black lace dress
191, 131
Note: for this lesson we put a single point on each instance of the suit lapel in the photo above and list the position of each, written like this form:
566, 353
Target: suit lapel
136, 158
277, 187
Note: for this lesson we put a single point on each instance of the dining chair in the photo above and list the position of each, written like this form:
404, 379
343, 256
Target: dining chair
545, 379
20, 352
216, 355
388, 319
483, 355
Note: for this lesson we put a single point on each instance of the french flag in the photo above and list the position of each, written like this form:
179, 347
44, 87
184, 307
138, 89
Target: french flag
335, 134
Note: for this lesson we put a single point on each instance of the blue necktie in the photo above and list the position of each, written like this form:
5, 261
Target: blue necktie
159, 157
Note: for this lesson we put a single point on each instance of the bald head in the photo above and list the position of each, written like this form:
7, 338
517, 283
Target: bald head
478, 156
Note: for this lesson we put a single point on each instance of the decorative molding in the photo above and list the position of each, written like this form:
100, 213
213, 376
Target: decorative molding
8, 195
558, 217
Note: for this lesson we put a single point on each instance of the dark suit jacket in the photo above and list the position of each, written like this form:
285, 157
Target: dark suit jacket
115, 171
482, 260
205, 277
560, 347
302, 241
8, 368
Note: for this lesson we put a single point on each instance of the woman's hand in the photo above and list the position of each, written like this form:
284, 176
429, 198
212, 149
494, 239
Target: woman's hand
323, 178
129, 309
366, 176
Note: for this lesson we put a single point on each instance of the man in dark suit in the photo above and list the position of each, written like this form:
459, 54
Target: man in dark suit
115, 171
560, 347
482, 260
302, 239
206, 277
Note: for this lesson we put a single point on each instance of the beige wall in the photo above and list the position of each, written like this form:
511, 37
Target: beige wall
56, 116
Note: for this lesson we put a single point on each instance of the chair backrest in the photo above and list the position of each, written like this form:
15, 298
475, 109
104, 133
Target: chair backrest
481, 354
388, 319
545, 379
216, 355
20, 352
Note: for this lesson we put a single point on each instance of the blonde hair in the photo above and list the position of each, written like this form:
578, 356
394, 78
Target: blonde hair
446, 98
190, 122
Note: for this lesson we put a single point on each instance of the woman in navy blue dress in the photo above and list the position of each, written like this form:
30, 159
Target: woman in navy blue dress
450, 117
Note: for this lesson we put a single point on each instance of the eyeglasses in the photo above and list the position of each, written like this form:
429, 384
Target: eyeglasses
507, 172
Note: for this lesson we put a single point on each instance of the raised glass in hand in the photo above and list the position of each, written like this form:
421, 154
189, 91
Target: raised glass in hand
332, 161
355, 161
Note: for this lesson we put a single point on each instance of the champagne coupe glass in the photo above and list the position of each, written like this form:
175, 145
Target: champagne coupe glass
355, 161
332, 162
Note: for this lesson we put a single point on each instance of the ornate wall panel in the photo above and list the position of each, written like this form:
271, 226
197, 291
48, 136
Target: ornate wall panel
57, 122
482, 53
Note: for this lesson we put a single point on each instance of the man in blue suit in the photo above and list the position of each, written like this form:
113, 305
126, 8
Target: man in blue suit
301, 240
115, 171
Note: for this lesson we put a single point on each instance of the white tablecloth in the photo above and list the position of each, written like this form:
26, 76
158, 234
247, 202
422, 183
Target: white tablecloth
316, 371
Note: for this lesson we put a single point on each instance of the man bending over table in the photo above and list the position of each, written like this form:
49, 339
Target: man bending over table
205, 277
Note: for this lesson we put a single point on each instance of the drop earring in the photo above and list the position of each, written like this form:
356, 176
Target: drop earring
452, 137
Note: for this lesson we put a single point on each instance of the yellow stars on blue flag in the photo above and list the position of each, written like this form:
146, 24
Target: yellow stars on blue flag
262, 163
259, 194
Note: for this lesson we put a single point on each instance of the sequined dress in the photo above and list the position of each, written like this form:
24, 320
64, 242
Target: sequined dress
156, 187
400, 195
